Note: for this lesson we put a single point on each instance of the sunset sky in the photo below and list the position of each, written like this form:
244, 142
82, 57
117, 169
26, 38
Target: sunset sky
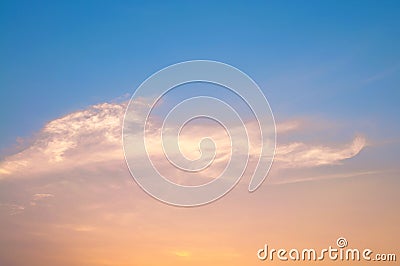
329, 69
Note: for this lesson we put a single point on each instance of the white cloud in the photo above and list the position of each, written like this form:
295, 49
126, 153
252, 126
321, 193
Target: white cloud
299, 154
92, 137
80, 138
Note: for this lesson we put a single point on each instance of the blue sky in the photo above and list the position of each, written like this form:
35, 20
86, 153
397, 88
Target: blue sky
334, 59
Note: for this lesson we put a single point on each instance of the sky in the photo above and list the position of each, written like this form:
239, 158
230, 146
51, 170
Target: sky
329, 69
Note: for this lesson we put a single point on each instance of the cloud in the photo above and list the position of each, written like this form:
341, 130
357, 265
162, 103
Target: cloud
85, 137
77, 228
39, 197
91, 138
327, 177
298, 154
11, 209
382, 74
288, 126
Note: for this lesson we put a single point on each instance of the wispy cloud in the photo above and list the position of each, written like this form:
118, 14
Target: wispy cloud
382, 74
76, 227
327, 177
92, 137
11, 209
40, 197
299, 154
80, 138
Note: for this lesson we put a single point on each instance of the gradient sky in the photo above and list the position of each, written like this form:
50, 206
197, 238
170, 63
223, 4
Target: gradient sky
60, 56
330, 71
